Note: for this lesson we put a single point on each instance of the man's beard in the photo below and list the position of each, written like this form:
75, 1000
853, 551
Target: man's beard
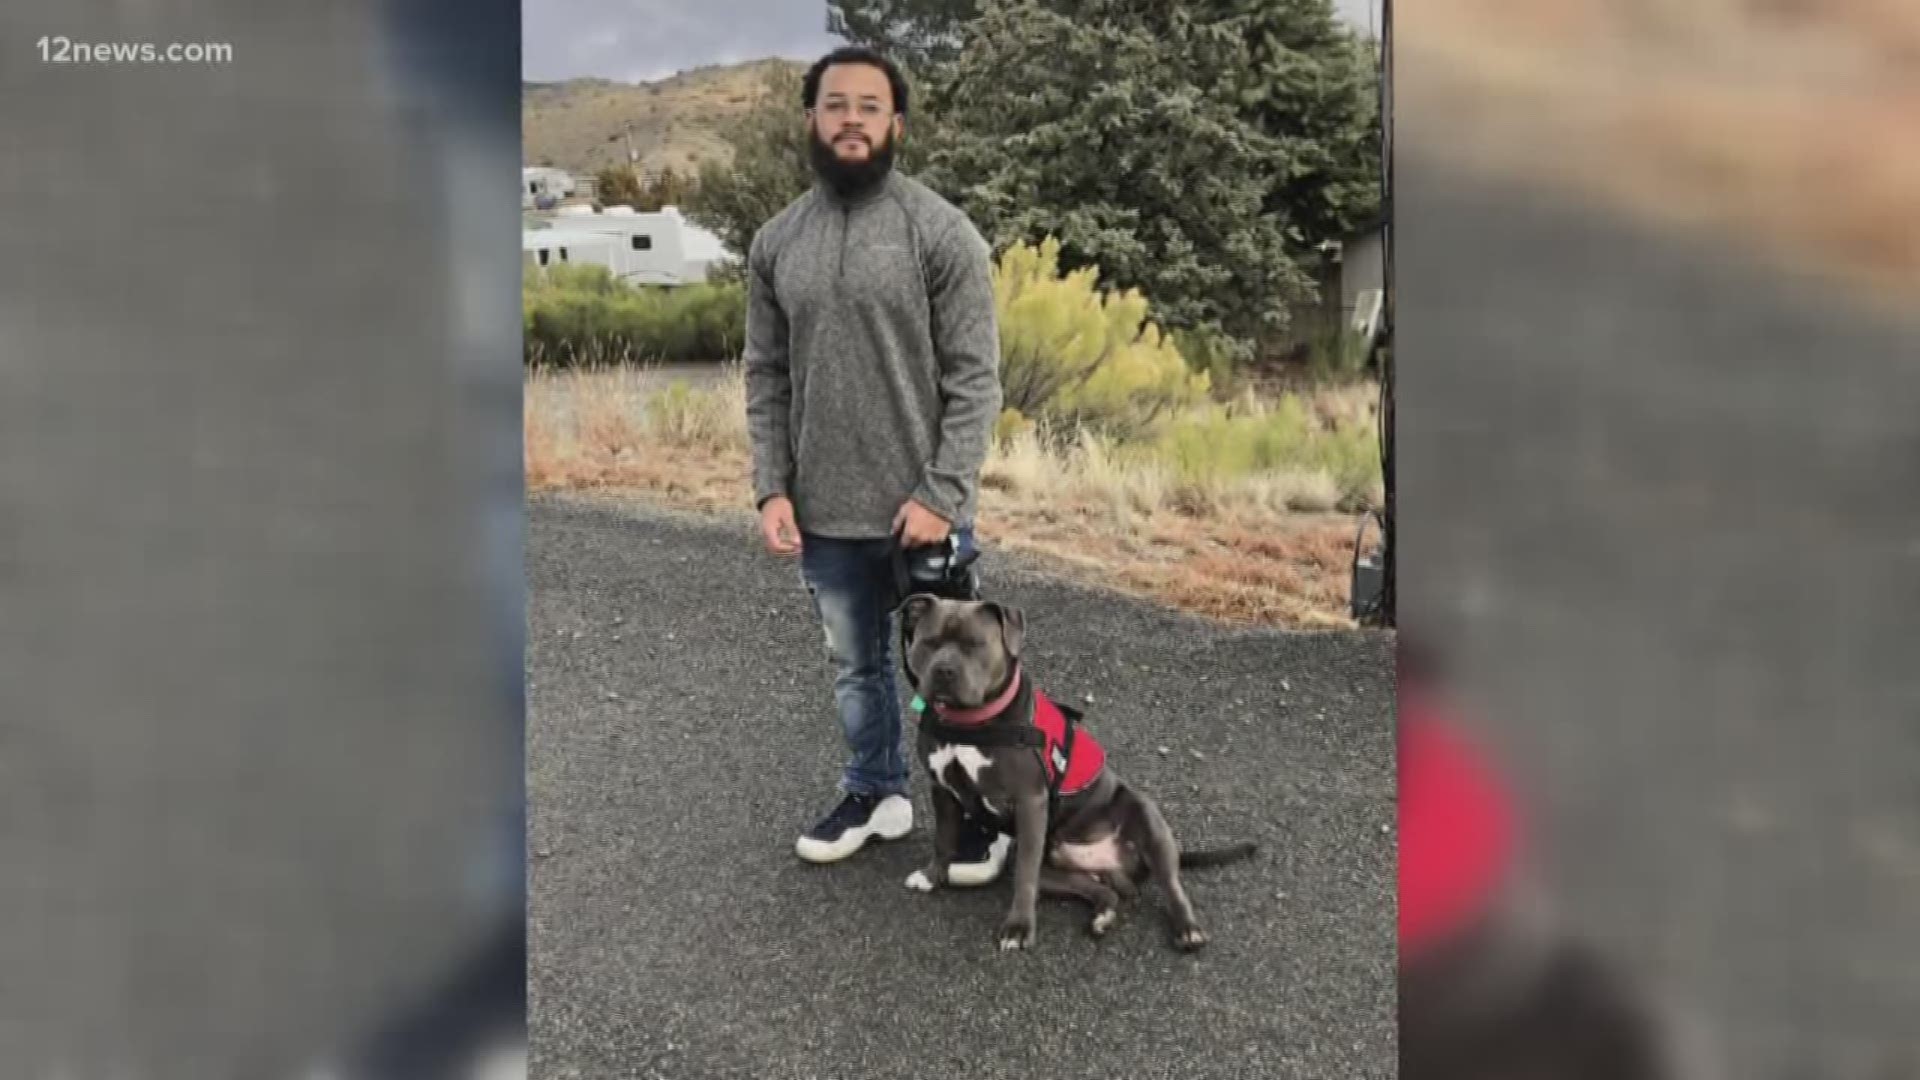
849, 178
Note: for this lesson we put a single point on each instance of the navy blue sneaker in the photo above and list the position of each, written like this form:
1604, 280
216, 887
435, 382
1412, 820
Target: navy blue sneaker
856, 820
981, 854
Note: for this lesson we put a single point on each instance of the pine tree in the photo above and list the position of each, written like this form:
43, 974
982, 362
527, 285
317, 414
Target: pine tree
917, 34
1196, 150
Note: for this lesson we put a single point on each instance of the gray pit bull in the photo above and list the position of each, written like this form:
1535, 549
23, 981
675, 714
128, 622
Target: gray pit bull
1101, 837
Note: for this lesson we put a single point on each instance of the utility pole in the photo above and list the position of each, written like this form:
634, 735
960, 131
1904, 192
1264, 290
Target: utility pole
633, 157
1375, 571
1389, 599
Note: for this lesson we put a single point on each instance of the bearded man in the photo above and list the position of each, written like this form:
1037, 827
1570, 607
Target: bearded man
873, 383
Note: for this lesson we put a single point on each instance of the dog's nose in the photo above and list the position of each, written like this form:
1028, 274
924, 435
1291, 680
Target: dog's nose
940, 681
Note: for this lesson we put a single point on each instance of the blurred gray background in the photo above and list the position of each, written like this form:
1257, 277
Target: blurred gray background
255, 744
1660, 512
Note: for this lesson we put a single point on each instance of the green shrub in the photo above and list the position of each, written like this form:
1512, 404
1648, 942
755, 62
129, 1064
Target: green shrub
1011, 425
571, 277
1207, 447
1072, 356
712, 418
1215, 354
1337, 353
581, 314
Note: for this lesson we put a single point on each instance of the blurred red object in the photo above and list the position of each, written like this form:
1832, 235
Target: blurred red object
1492, 987
1459, 834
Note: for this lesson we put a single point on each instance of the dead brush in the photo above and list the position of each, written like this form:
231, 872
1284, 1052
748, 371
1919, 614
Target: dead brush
1253, 547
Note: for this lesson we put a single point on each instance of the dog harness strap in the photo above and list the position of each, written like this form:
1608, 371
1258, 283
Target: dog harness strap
1062, 757
1063, 753
1070, 757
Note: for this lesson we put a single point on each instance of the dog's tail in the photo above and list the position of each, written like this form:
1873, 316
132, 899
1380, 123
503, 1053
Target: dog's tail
1218, 856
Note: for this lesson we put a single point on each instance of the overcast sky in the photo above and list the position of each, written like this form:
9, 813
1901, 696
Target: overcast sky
640, 40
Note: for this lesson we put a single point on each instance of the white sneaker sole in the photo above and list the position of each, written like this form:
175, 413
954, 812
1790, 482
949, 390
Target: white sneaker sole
504, 1064
968, 875
891, 820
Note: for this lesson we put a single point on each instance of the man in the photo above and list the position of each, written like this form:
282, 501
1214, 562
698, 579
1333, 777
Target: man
872, 357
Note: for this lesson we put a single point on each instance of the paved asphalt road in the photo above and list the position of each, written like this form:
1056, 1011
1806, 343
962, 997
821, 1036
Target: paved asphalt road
681, 735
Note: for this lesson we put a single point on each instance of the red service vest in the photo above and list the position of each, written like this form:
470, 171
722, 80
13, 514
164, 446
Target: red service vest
1088, 756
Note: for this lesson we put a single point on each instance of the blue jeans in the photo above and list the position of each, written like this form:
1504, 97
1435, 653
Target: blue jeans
851, 583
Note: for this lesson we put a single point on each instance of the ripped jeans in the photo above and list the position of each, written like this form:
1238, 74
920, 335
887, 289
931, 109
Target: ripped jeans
851, 583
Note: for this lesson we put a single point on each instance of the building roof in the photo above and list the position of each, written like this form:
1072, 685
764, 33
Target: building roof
697, 244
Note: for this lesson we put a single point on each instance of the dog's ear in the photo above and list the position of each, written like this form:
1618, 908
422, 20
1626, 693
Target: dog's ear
1013, 626
912, 610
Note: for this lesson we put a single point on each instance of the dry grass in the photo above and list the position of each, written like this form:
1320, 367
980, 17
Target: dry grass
618, 429
1775, 123
1261, 550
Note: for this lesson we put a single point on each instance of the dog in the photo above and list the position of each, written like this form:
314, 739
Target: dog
995, 747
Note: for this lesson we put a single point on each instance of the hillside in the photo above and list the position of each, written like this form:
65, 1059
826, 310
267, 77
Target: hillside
580, 125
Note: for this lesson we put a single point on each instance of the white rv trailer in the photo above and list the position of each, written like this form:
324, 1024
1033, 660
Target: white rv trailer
660, 248
556, 247
541, 187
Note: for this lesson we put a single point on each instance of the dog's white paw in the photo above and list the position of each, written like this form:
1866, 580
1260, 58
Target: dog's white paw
918, 881
1103, 921
1016, 936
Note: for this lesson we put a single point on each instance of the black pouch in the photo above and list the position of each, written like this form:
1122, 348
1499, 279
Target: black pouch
941, 569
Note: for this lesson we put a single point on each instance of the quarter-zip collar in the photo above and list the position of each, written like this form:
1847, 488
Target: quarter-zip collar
844, 208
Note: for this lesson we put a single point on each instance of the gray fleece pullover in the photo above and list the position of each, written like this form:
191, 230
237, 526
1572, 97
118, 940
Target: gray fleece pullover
872, 358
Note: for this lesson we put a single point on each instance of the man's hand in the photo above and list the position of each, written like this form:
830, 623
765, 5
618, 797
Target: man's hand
777, 529
917, 525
